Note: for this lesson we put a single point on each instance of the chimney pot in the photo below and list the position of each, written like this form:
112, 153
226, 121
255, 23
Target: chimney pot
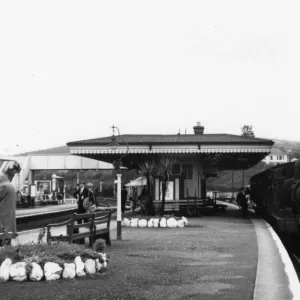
198, 130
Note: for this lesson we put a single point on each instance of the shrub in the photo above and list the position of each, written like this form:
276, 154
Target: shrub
42, 253
100, 245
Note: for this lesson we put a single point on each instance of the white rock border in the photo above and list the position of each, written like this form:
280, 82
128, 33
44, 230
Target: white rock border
170, 222
52, 271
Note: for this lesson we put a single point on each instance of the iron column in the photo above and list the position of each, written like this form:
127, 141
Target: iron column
119, 211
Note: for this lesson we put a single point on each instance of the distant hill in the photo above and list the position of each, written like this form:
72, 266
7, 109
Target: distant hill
55, 150
292, 148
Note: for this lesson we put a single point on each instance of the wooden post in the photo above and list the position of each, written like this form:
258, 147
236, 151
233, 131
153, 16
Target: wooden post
232, 184
243, 178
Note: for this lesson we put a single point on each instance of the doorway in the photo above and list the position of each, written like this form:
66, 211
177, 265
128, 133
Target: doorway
187, 174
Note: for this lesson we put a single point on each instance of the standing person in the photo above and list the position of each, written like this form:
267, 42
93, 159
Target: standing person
242, 200
92, 201
123, 198
81, 193
7, 209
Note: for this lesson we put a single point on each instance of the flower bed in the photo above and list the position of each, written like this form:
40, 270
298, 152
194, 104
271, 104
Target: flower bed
171, 222
36, 262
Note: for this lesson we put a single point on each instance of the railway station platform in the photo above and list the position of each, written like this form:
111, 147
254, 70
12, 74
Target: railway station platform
44, 209
241, 259
58, 208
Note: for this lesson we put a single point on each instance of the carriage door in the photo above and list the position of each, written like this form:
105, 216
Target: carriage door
187, 172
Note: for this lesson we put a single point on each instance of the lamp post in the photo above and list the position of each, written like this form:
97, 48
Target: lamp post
117, 165
53, 186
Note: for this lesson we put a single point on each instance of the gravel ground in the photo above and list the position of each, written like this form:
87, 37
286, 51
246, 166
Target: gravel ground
215, 257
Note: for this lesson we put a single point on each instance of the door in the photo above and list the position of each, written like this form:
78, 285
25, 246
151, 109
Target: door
187, 172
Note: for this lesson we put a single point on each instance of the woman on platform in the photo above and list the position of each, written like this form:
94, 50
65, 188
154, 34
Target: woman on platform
8, 228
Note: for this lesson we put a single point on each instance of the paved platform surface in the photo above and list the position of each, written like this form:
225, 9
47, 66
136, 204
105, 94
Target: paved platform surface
237, 258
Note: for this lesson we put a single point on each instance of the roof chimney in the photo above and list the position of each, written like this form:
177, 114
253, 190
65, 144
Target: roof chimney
198, 129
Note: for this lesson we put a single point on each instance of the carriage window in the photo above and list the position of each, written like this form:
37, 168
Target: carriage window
187, 170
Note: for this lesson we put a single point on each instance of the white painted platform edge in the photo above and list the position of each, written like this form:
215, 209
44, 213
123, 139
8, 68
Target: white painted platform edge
294, 284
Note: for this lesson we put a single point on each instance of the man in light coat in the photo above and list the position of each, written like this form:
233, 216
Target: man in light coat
8, 228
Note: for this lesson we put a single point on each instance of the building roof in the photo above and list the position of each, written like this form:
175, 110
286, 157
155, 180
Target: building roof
225, 151
139, 139
277, 151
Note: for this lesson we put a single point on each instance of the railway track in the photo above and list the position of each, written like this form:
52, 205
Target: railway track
40, 220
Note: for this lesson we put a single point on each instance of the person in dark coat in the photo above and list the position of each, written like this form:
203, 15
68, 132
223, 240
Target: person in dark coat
242, 201
81, 193
123, 198
92, 200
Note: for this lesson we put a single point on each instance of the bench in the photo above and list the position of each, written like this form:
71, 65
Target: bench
103, 217
81, 226
78, 227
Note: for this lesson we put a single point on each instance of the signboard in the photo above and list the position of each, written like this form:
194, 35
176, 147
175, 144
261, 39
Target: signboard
32, 190
43, 186
169, 191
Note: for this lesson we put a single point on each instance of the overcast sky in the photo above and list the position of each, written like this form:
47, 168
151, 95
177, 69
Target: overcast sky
71, 69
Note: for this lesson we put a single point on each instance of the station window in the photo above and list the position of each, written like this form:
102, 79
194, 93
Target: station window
271, 157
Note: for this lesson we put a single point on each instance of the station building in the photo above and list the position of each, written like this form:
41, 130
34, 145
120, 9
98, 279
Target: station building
198, 156
277, 156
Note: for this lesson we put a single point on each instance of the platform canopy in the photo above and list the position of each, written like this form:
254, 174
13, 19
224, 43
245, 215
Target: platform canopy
216, 151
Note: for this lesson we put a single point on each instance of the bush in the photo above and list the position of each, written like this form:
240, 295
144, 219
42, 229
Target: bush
41, 253
100, 245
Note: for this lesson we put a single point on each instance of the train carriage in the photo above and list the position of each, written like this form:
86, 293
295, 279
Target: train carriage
276, 193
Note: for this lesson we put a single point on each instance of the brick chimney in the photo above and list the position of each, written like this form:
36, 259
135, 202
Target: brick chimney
198, 129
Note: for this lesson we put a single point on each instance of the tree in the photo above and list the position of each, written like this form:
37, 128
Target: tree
164, 171
149, 170
247, 131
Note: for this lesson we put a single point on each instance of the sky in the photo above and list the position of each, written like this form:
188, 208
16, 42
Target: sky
69, 70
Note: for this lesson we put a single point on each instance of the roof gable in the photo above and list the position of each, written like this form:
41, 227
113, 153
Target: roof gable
277, 151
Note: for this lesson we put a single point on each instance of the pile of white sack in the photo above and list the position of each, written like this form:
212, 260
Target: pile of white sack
171, 222
21, 271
